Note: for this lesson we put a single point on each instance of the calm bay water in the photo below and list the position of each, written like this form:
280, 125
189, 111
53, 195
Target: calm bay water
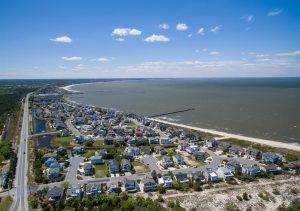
263, 108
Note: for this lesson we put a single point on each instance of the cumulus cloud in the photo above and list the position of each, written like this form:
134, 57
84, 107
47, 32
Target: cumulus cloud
200, 31
63, 39
157, 38
248, 18
163, 26
135, 32
274, 12
79, 67
104, 59
126, 32
292, 53
190, 35
182, 27
216, 29
214, 53
73, 58
119, 39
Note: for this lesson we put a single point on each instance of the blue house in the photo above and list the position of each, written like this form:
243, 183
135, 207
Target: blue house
78, 150
55, 165
250, 170
153, 140
271, 157
113, 166
49, 161
53, 173
178, 159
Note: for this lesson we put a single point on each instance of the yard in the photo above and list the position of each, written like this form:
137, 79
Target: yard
101, 170
100, 144
190, 161
88, 153
140, 167
6, 203
63, 141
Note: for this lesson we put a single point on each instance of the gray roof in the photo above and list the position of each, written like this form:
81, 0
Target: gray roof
55, 192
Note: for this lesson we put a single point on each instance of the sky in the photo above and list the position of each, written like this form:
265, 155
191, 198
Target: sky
155, 39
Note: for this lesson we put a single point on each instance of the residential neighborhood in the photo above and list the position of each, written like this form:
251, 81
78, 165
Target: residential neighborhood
98, 150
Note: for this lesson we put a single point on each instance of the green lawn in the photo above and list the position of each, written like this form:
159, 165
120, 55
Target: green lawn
140, 167
6, 203
88, 153
63, 141
101, 170
98, 143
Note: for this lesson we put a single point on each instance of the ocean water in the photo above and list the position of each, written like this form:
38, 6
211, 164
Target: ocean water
266, 108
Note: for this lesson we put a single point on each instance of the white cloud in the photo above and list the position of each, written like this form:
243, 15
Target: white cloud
247, 18
157, 38
135, 32
119, 39
190, 35
214, 53
181, 27
216, 29
274, 12
200, 31
73, 58
204, 49
292, 53
163, 26
63, 39
104, 59
79, 67
126, 31
260, 55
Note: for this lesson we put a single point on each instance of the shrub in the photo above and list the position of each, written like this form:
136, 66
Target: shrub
161, 189
238, 197
231, 207
171, 204
245, 196
276, 192
294, 191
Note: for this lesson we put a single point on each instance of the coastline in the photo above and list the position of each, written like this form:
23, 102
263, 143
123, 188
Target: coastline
271, 143
68, 88
276, 144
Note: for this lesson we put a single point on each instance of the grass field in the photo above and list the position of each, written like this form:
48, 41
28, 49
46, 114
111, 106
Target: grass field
6, 203
140, 167
98, 143
101, 170
63, 141
88, 153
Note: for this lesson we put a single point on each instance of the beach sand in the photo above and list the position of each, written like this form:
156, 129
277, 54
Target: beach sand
230, 135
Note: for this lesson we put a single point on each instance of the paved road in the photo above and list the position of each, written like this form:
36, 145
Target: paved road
20, 202
72, 128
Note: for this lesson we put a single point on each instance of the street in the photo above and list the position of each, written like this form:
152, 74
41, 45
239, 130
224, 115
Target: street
20, 197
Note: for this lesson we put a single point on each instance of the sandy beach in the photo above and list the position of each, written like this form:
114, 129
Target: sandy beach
69, 88
230, 135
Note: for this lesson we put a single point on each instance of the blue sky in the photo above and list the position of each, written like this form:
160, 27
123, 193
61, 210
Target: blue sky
157, 38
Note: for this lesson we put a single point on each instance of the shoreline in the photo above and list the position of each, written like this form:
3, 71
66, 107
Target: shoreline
276, 144
271, 143
68, 88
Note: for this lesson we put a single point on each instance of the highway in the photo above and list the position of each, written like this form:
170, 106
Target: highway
20, 197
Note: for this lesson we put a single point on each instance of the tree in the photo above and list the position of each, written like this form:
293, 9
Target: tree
161, 189
171, 204
88, 143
